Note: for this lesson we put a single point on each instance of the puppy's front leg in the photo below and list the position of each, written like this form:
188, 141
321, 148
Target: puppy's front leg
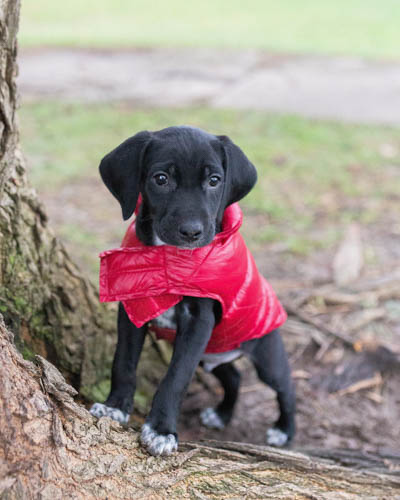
119, 404
195, 321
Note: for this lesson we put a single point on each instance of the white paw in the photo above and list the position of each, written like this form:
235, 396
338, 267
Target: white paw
100, 410
210, 418
276, 437
158, 444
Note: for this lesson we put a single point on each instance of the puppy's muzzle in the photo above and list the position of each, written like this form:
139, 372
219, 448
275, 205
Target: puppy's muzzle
191, 231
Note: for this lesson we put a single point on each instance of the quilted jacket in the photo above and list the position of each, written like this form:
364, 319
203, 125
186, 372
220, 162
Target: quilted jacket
151, 279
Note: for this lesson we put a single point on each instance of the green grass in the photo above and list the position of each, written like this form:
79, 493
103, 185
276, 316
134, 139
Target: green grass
304, 166
359, 27
313, 176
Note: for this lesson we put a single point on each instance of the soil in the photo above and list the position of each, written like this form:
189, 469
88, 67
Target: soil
366, 420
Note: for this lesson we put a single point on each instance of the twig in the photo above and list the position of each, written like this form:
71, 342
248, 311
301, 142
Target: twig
301, 374
360, 319
323, 349
375, 397
376, 380
318, 324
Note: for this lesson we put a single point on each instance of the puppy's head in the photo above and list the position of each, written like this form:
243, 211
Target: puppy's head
187, 178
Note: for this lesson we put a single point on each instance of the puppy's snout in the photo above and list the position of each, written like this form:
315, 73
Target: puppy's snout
191, 231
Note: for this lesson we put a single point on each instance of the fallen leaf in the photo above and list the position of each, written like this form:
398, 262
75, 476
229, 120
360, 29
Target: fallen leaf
348, 261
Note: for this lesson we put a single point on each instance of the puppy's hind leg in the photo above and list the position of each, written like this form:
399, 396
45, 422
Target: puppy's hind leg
219, 417
119, 404
270, 360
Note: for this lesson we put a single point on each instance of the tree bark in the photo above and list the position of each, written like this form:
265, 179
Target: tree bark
52, 309
52, 448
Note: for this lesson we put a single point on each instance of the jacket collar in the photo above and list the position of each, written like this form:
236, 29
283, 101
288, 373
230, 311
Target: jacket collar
231, 221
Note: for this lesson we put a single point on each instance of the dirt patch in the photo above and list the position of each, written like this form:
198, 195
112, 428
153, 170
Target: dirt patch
366, 419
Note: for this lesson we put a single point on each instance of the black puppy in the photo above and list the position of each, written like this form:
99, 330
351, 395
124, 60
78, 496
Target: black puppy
187, 178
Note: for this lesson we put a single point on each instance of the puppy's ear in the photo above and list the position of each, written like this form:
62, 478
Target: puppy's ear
240, 173
121, 171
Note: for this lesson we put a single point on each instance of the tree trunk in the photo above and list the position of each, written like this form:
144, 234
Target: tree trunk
53, 448
49, 305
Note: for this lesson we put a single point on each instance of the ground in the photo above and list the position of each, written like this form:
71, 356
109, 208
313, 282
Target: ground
324, 420
319, 181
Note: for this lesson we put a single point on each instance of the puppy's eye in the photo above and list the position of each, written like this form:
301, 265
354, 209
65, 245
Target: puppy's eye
161, 179
214, 180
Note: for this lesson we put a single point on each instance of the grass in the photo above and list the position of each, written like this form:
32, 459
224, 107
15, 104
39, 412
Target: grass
357, 27
301, 162
311, 174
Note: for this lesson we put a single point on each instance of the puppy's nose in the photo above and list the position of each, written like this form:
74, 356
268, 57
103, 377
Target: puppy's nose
191, 231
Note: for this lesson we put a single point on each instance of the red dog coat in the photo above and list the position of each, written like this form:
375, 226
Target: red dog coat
151, 279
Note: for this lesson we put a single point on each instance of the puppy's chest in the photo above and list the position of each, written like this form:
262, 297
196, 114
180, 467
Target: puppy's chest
210, 360
166, 320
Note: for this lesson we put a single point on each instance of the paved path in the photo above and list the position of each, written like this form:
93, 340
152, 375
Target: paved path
349, 89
